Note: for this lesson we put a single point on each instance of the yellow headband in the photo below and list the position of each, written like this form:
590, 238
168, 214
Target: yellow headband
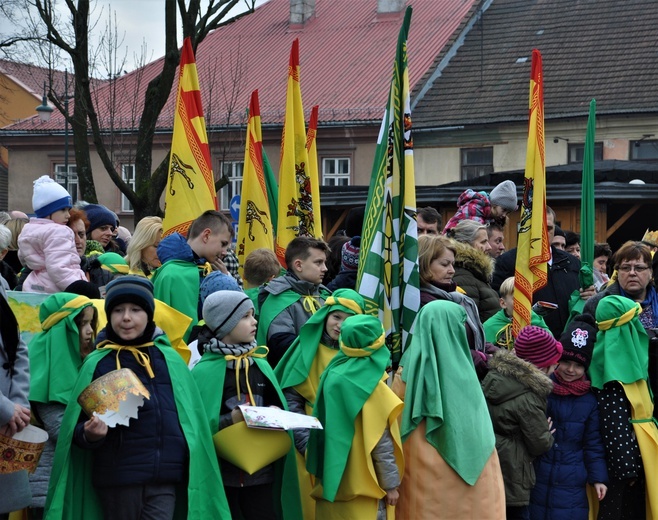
76, 303
345, 302
621, 320
364, 352
116, 268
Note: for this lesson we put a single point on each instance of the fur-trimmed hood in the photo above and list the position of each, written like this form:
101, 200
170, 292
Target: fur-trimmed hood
475, 261
510, 376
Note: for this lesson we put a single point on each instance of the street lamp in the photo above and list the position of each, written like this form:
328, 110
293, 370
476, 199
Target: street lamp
45, 111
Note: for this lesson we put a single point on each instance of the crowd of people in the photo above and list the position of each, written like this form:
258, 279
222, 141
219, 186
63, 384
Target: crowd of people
557, 422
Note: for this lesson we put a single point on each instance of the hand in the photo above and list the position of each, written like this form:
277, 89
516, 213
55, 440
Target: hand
586, 294
601, 490
236, 415
392, 496
550, 425
95, 429
19, 420
218, 265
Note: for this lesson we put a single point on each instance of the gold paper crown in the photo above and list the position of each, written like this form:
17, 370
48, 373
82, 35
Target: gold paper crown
650, 238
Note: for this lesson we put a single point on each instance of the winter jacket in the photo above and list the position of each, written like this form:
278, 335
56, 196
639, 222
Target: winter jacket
516, 394
280, 330
576, 459
471, 205
49, 250
562, 282
473, 272
152, 449
345, 279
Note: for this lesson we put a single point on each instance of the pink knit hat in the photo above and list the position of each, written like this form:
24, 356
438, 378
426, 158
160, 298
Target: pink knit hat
537, 346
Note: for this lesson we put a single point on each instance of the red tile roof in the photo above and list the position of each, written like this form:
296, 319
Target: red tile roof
346, 55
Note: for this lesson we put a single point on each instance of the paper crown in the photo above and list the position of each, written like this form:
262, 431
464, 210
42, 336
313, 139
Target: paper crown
650, 238
115, 397
23, 450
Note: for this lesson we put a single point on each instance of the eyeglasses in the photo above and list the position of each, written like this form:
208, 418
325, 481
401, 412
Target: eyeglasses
636, 268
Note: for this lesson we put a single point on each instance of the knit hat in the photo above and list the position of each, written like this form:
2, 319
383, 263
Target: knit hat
578, 340
537, 346
349, 257
99, 216
222, 311
130, 289
114, 263
504, 195
217, 281
49, 197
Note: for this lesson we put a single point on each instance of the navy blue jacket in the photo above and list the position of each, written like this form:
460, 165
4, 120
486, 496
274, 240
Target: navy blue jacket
576, 458
152, 449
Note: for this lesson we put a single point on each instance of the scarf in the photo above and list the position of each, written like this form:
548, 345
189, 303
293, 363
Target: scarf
561, 387
650, 300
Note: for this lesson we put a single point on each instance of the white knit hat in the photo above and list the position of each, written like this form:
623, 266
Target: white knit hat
504, 195
49, 197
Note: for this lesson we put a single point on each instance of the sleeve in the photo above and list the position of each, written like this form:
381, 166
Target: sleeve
383, 458
537, 438
51, 415
594, 451
280, 335
297, 404
61, 258
79, 438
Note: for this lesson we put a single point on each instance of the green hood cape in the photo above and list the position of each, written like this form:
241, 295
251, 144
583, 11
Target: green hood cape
621, 351
576, 303
209, 374
443, 389
355, 372
296, 363
179, 288
55, 353
71, 495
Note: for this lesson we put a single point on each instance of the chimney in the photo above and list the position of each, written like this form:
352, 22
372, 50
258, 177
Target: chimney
390, 6
301, 10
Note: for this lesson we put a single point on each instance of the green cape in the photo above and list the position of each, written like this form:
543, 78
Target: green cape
71, 495
355, 372
497, 329
177, 283
209, 374
55, 352
621, 351
443, 389
296, 363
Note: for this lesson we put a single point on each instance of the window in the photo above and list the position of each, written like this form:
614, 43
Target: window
233, 172
476, 162
336, 171
69, 180
577, 151
128, 176
644, 150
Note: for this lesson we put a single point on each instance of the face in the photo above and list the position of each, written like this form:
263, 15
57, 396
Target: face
634, 276
334, 322
426, 229
601, 264
496, 243
150, 254
574, 250
507, 303
498, 212
128, 320
244, 331
103, 234
313, 268
559, 242
214, 245
550, 227
86, 331
61, 216
570, 370
80, 236
481, 241
442, 269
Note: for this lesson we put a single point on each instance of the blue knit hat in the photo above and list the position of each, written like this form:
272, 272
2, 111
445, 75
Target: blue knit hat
217, 281
48, 197
130, 289
99, 216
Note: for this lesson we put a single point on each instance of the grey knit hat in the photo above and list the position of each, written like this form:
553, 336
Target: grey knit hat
222, 311
504, 195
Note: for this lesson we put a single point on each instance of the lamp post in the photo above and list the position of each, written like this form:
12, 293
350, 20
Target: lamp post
45, 111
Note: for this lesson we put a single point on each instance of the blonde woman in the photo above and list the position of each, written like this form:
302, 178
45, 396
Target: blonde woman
142, 255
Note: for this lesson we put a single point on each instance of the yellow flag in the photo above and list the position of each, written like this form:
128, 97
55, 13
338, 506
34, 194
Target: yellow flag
255, 225
190, 183
296, 205
313, 171
533, 250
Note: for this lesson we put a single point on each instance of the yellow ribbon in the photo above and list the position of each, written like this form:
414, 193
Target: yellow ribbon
206, 268
345, 302
244, 359
116, 268
310, 303
364, 352
621, 320
76, 303
141, 357
504, 337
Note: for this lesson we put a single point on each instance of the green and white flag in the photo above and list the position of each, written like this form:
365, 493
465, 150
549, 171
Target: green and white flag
388, 262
